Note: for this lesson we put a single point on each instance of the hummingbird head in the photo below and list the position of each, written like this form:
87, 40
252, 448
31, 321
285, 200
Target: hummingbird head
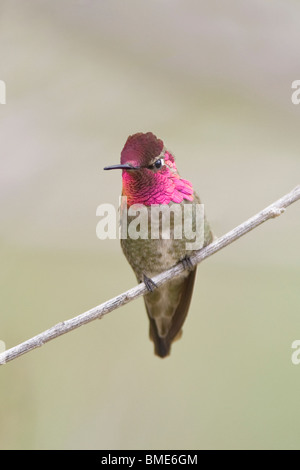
149, 173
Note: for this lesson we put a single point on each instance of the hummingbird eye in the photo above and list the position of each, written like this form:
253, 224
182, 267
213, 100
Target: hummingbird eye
159, 163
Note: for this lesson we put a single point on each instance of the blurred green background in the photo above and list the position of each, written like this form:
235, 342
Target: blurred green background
213, 80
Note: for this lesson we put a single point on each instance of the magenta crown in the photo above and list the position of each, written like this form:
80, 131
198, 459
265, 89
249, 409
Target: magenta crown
148, 187
140, 149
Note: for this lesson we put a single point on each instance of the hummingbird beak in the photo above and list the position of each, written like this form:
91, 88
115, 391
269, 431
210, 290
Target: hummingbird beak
121, 167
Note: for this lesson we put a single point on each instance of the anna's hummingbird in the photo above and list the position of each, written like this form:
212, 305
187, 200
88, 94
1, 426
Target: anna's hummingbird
150, 177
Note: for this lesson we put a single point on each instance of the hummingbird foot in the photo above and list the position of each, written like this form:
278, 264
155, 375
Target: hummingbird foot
150, 285
187, 263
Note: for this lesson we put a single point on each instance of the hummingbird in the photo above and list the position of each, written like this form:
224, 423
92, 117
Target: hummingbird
150, 177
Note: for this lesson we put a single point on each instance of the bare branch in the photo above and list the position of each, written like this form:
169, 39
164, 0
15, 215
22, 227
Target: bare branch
274, 210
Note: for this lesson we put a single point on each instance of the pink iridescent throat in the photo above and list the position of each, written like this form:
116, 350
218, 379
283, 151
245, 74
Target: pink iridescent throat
163, 186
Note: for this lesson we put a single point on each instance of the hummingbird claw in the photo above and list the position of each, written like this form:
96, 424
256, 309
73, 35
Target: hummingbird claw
187, 263
150, 285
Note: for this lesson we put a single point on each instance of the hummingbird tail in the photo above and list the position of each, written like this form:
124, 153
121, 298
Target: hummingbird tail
162, 344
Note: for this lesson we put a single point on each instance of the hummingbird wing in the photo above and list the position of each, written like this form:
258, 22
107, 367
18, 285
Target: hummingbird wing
166, 314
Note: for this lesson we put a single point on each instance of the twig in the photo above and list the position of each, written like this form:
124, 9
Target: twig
274, 210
